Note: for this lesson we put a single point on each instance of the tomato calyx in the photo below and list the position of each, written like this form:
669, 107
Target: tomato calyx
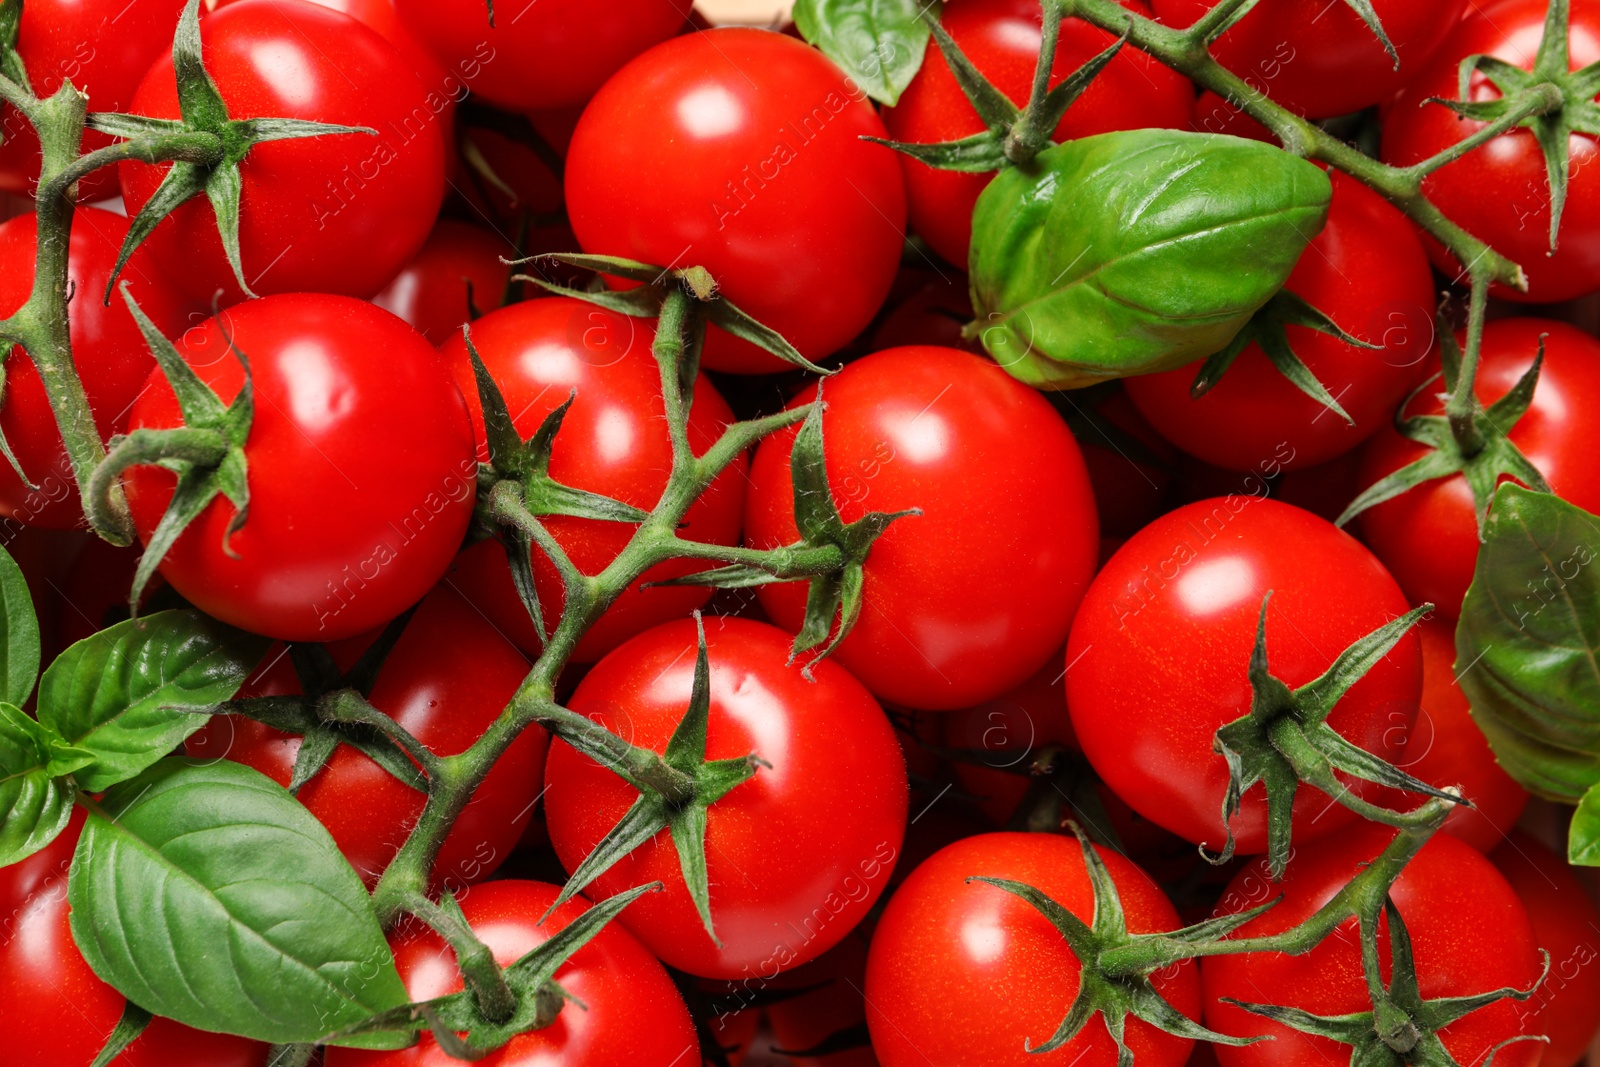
1285, 739
128, 1029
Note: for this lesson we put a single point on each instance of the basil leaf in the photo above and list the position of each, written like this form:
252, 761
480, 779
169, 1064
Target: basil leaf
35, 803
209, 895
130, 693
19, 640
1135, 252
1528, 641
1583, 836
878, 43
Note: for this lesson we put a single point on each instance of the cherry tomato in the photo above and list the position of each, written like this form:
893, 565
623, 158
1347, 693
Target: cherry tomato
966, 600
1002, 39
623, 1007
1131, 479
1001, 735
827, 1006
1469, 932
55, 1011
932, 313
613, 441
361, 469
1159, 652
835, 796
103, 47
522, 181
91, 595
1499, 192
1428, 535
1213, 114
554, 53
740, 150
108, 351
1566, 925
1367, 272
449, 676
974, 975
1321, 59
334, 214
458, 273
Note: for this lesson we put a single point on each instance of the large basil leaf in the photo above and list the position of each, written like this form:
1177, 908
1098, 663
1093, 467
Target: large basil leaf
878, 43
1583, 836
35, 800
130, 693
207, 894
19, 641
1135, 252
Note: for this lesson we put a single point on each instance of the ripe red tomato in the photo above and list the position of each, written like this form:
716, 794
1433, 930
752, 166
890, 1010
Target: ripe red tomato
1428, 536
554, 53
335, 214
1499, 191
1367, 272
826, 1002
1446, 748
835, 796
740, 150
973, 974
624, 1009
449, 676
459, 269
1565, 924
1002, 39
1004, 734
966, 600
1469, 931
55, 1011
107, 349
103, 47
361, 469
1320, 59
1176, 609
1131, 483
614, 441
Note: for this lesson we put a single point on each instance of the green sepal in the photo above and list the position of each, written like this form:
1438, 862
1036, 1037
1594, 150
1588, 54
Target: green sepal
1364, 9
978, 154
6, 349
128, 1029
11, 65
322, 734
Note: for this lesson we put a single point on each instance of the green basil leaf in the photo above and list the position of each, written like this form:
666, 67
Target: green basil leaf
878, 43
209, 895
1528, 641
1583, 836
1135, 252
131, 693
19, 640
35, 803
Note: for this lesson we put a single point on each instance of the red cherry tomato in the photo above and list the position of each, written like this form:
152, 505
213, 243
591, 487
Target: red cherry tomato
55, 1011
1428, 535
613, 441
108, 351
740, 150
972, 974
1320, 59
1001, 735
835, 796
826, 1005
966, 600
1566, 925
361, 469
449, 676
624, 1009
1130, 483
1367, 272
335, 214
103, 47
1213, 114
1002, 39
459, 271
1159, 654
1469, 932
1499, 191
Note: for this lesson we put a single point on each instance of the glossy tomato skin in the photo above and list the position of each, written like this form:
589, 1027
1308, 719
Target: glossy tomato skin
457, 271
613, 441
1366, 270
1320, 60
1499, 191
825, 1004
1002, 39
835, 797
361, 469
1428, 535
624, 1008
55, 1010
1567, 1006
449, 676
973, 974
552, 54
1469, 932
1160, 649
968, 599
335, 214
707, 150
108, 350
103, 47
